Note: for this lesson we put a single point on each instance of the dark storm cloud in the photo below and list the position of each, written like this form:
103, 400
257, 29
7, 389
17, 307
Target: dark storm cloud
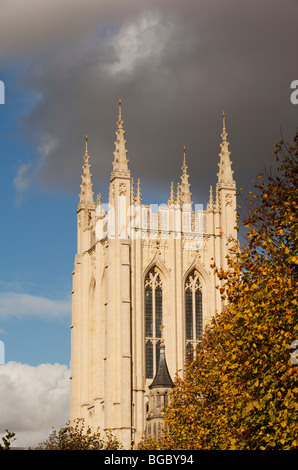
176, 66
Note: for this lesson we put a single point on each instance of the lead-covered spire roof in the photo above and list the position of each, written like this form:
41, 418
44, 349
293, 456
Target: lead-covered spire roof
162, 377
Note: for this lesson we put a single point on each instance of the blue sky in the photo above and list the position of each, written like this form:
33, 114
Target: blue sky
176, 66
38, 243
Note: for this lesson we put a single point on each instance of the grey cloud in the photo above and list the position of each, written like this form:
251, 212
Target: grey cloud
176, 67
32, 26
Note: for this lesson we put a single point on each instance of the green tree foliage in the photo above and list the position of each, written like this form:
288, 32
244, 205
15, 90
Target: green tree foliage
78, 438
241, 391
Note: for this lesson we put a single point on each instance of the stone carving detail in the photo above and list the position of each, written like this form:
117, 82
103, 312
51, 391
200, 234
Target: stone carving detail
112, 191
229, 199
122, 189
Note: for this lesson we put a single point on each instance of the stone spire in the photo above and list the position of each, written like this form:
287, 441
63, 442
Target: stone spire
172, 196
210, 204
138, 198
86, 195
185, 194
225, 174
100, 212
132, 192
120, 163
178, 194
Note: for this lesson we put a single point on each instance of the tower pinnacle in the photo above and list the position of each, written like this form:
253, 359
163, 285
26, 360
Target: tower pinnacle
120, 163
210, 204
138, 199
223, 121
225, 174
172, 196
185, 194
86, 194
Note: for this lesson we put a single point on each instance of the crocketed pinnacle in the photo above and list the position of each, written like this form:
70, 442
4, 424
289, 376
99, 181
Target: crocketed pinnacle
120, 163
172, 196
86, 194
100, 212
185, 194
210, 204
225, 174
178, 194
132, 191
138, 198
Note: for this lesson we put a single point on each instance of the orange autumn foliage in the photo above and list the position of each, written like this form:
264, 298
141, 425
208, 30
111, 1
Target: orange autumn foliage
241, 391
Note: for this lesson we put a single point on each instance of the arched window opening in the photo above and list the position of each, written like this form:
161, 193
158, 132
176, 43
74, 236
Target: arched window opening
158, 400
166, 400
153, 320
193, 313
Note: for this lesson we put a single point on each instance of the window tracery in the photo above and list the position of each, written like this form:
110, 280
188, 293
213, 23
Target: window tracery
193, 312
153, 320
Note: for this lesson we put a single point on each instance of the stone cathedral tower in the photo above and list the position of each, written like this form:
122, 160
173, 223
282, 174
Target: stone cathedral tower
142, 279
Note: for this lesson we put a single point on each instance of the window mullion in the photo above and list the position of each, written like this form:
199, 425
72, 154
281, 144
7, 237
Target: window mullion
153, 328
194, 312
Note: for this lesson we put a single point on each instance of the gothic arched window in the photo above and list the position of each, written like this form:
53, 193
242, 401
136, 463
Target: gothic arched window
153, 320
193, 312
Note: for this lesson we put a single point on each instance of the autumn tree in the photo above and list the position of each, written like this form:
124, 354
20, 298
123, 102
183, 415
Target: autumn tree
241, 391
77, 437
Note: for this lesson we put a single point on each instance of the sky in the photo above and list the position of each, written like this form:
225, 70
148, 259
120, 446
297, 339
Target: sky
176, 66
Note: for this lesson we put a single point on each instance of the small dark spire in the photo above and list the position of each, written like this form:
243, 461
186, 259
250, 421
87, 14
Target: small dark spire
162, 377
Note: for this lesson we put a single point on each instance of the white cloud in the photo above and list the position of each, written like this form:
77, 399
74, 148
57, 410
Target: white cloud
142, 39
33, 400
47, 145
27, 173
19, 304
22, 180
